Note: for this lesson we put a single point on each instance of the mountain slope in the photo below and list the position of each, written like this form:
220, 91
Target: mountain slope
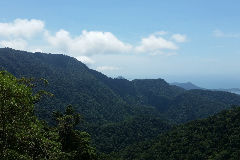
108, 104
115, 136
195, 104
216, 138
70, 81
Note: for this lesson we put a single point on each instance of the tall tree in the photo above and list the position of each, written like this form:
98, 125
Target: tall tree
74, 142
22, 136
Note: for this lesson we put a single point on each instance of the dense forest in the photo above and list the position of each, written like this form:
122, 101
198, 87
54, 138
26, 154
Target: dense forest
23, 136
121, 116
215, 138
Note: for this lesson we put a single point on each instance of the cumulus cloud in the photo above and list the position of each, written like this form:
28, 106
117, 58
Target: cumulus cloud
85, 59
20, 34
21, 28
220, 34
180, 38
96, 42
88, 43
155, 44
107, 68
16, 44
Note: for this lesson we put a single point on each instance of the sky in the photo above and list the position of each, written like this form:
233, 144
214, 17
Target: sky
179, 41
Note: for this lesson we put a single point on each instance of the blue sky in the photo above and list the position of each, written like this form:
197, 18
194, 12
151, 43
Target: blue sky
187, 40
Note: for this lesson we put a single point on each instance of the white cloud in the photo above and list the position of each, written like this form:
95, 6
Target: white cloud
180, 38
20, 34
155, 44
23, 28
95, 42
85, 59
220, 34
88, 43
107, 68
16, 44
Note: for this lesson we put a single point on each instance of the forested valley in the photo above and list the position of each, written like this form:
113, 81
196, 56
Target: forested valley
55, 107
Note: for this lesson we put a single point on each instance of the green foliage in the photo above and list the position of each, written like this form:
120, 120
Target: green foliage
214, 138
196, 104
116, 136
24, 137
74, 142
107, 104
21, 134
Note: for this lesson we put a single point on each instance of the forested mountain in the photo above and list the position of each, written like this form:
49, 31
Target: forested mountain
215, 138
71, 83
196, 104
134, 110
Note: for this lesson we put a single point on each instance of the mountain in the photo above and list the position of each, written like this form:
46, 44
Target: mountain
216, 138
91, 93
108, 105
187, 85
190, 86
196, 104
71, 82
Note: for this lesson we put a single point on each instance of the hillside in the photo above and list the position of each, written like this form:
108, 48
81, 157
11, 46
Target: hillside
196, 104
108, 104
71, 82
216, 138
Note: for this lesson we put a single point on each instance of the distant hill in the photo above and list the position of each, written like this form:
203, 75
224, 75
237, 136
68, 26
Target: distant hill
231, 90
109, 105
190, 86
216, 138
187, 85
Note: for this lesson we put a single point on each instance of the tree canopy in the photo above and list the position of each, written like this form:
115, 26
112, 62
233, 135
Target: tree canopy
23, 136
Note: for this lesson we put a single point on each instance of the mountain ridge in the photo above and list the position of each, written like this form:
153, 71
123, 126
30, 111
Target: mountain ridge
103, 101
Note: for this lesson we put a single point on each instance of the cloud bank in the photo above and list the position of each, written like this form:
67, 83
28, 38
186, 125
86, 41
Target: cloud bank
21, 28
21, 33
85, 59
88, 43
155, 44
16, 44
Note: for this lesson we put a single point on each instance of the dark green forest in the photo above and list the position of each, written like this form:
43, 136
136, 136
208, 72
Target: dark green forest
23, 136
215, 138
65, 110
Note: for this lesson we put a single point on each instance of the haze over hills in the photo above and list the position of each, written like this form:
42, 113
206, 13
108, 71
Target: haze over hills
146, 106
189, 86
231, 90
